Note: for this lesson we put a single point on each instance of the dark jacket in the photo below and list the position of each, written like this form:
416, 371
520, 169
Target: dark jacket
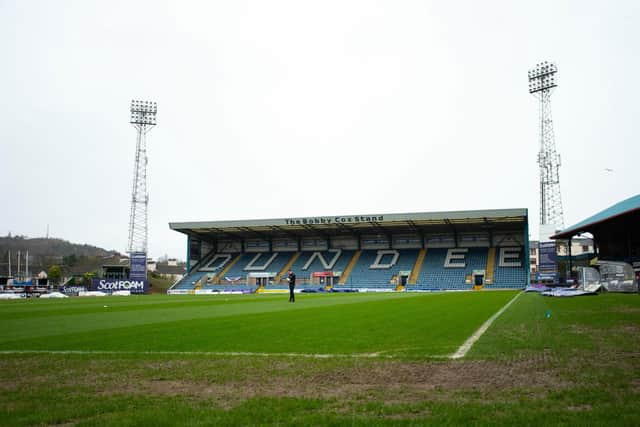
292, 279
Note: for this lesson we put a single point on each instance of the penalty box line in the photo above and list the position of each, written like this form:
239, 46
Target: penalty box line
466, 346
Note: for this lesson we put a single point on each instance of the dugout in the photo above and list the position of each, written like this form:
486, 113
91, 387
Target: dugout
615, 231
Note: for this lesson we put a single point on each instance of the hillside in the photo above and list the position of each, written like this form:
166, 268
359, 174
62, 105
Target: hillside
43, 253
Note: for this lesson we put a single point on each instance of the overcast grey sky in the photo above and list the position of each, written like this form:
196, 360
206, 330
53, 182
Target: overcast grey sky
296, 108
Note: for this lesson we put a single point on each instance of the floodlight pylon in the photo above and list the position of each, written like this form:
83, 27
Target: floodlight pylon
143, 118
542, 81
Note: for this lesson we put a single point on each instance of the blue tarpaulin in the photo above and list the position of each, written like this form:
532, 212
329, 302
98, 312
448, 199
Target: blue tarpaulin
566, 292
537, 288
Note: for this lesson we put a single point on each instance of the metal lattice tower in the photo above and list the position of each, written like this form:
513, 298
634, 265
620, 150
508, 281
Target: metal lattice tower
143, 118
541, 83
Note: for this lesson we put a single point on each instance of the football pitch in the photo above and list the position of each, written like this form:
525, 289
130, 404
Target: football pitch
327, 359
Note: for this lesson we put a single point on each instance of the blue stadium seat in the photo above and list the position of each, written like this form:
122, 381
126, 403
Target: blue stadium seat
365, 277
433, 275
317, 266
510, 277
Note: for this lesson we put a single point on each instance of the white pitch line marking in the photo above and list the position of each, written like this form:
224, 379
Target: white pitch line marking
464, 348
196, 353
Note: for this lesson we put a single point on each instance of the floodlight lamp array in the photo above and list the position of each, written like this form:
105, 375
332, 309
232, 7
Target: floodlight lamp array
542, 77
143, 112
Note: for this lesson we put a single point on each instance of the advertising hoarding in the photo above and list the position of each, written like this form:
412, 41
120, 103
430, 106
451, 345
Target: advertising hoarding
112, 285
138, 266
547, 262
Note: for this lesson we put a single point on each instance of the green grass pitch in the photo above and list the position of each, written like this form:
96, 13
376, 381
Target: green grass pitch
419, 325
335, 359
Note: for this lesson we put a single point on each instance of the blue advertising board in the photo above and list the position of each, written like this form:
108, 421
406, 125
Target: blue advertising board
112, 285
547, 259
547, 262
138, 269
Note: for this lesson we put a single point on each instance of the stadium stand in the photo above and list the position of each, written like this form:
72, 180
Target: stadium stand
190, 281
344, 277
257, 262
368, 273
510, 273
437, 273
417, 267
417, 252
318, 261
491, 265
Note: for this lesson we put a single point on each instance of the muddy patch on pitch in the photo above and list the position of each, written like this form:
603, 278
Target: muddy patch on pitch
477, 375
582, 330
580, 408
228, 383
626, 309
631, 329
403, 382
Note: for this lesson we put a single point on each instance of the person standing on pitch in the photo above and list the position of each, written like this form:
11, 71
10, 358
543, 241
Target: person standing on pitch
292, 286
